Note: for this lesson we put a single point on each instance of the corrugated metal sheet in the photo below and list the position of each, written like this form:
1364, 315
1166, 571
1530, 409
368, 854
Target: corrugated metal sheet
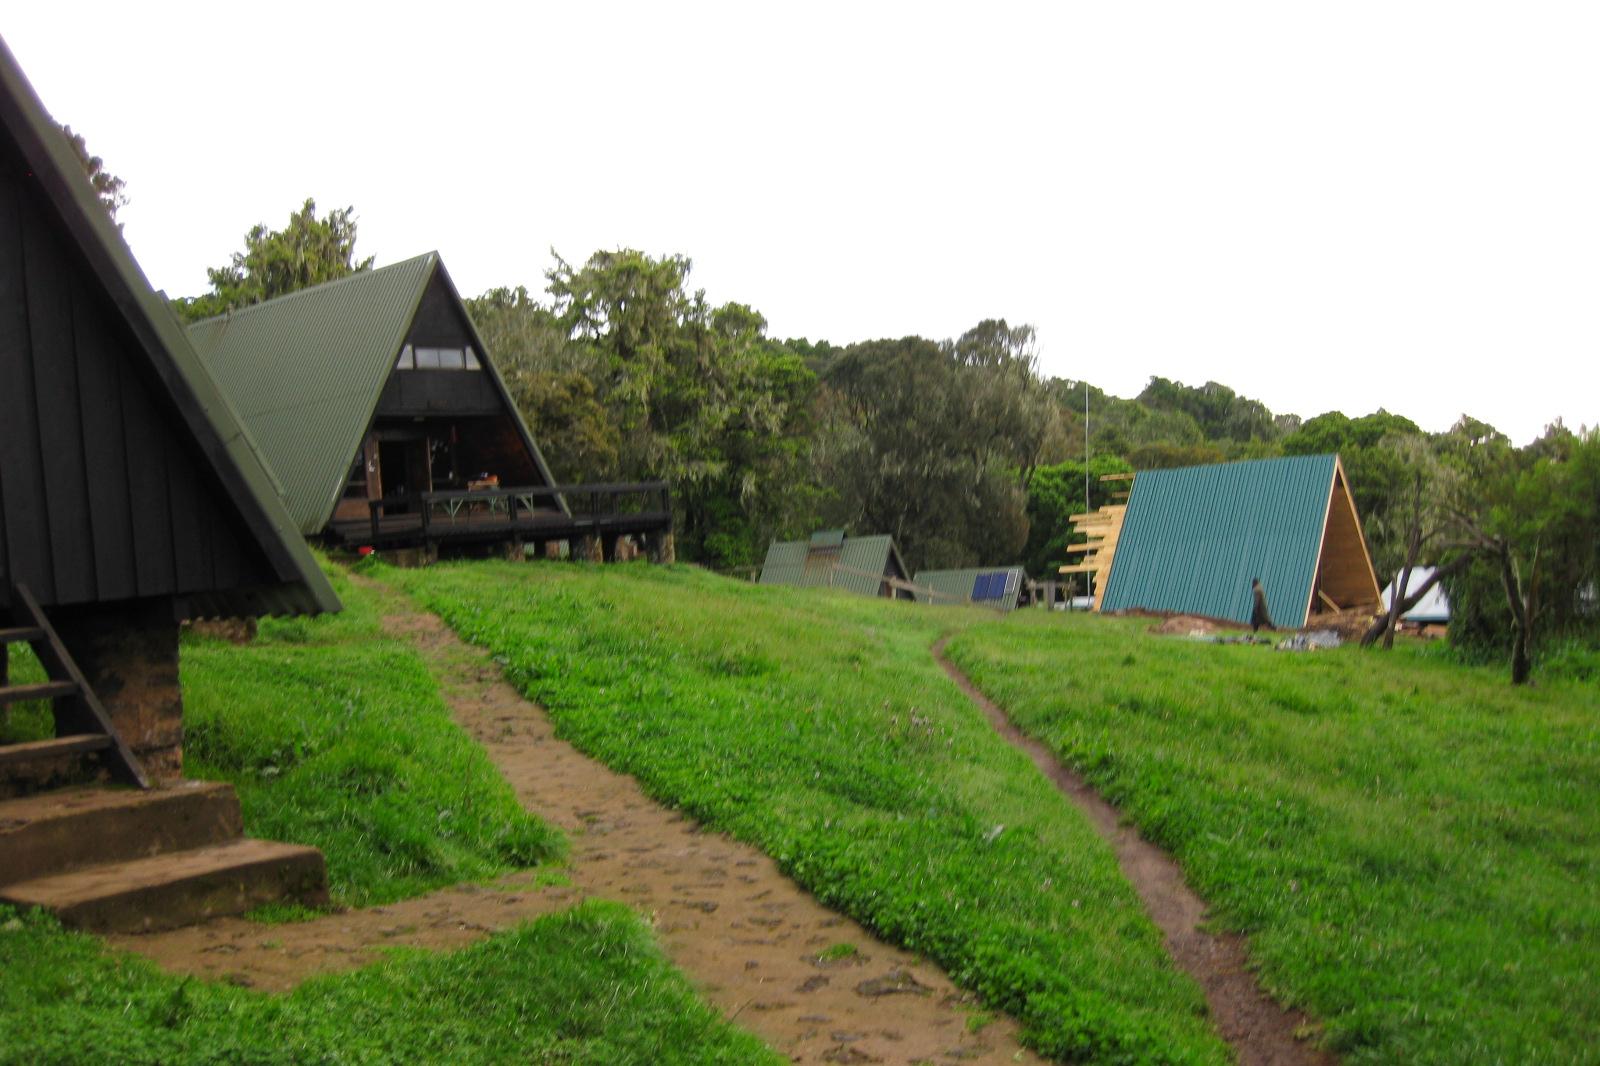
1193, 538
305, 371
988, 586
217, 433
850, 567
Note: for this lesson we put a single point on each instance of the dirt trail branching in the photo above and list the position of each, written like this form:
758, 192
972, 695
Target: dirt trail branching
1262, 1032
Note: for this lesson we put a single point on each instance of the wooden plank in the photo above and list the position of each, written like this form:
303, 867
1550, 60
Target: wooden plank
27, 530
85, 713
191, 547
145, 458
20, 634
227, 550
43, 690
1323, 596
1079, 568
83, 743
105, 466
55, 382
1126, 476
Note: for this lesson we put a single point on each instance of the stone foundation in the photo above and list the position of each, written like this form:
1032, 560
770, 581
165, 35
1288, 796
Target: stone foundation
232, 630
661, 548
129, 657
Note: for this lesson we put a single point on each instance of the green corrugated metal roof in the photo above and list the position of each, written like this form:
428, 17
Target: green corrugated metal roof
786, 564
958, 586
219, 434
306, 371
1193, 538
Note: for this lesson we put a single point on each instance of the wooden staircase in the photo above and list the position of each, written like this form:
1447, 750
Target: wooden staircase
121, 859
86, 741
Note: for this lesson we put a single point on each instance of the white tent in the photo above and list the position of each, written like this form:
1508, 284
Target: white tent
1434, 608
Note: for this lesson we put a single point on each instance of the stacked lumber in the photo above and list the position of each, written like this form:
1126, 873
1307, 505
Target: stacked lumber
1101, 529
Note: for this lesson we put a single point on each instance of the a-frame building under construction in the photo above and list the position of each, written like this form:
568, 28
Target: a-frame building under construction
1192, 540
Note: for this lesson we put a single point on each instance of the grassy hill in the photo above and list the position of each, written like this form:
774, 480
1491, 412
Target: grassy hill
819, 728
1412, 846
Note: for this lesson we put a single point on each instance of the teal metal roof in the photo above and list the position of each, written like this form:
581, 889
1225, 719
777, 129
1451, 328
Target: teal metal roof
1193, 538
986, 586
306, 370
857, 564
219, 434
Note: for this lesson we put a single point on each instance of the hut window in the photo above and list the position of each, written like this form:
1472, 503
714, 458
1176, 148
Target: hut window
439, 359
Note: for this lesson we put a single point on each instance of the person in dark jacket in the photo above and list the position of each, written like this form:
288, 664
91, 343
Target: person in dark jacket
1259, 615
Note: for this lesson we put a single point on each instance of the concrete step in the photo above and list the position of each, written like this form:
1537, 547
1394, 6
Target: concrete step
49, 833
44, 764
178, 888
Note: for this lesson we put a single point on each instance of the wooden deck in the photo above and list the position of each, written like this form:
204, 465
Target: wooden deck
533, 515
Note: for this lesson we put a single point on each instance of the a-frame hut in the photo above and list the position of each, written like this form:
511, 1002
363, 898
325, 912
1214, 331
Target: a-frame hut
131, 500
870, 566
370, 386
1004, 588
1192, 540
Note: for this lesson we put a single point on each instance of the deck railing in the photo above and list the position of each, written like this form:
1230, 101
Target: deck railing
455, 507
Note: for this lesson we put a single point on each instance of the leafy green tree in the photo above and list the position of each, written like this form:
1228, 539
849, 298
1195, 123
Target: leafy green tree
1221, 413
1415, 518
1533, 518
1172, 456
307, 251
935, 443
698, 395
109, 189
1055, 494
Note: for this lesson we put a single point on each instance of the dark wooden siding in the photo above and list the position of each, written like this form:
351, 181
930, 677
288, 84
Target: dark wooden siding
101, 498
440, 392
438, 322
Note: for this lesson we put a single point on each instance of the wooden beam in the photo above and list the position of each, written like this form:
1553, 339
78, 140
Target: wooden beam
1325, 598
1080, 568
1117, 477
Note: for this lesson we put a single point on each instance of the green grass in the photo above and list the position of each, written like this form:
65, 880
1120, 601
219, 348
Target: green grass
27, 720
1412, 845
583, 986
817, 726
335, 735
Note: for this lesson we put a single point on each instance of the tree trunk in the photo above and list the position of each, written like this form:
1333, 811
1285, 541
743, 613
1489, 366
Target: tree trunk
1403, 579
1521, 663
1457, 564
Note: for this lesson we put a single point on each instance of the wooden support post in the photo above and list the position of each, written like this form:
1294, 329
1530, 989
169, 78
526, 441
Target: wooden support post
587, 548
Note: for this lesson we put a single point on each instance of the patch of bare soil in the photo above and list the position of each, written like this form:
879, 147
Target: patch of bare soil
1350, 625
1262, 1032
1188, 625
755, 943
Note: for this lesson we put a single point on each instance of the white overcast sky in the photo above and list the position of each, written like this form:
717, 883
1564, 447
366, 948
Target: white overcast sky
1325, 206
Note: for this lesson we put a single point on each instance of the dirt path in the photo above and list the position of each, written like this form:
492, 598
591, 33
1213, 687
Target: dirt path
1261, 1032
750, 938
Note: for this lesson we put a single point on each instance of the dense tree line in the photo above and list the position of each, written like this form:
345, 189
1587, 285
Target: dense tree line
962, 448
